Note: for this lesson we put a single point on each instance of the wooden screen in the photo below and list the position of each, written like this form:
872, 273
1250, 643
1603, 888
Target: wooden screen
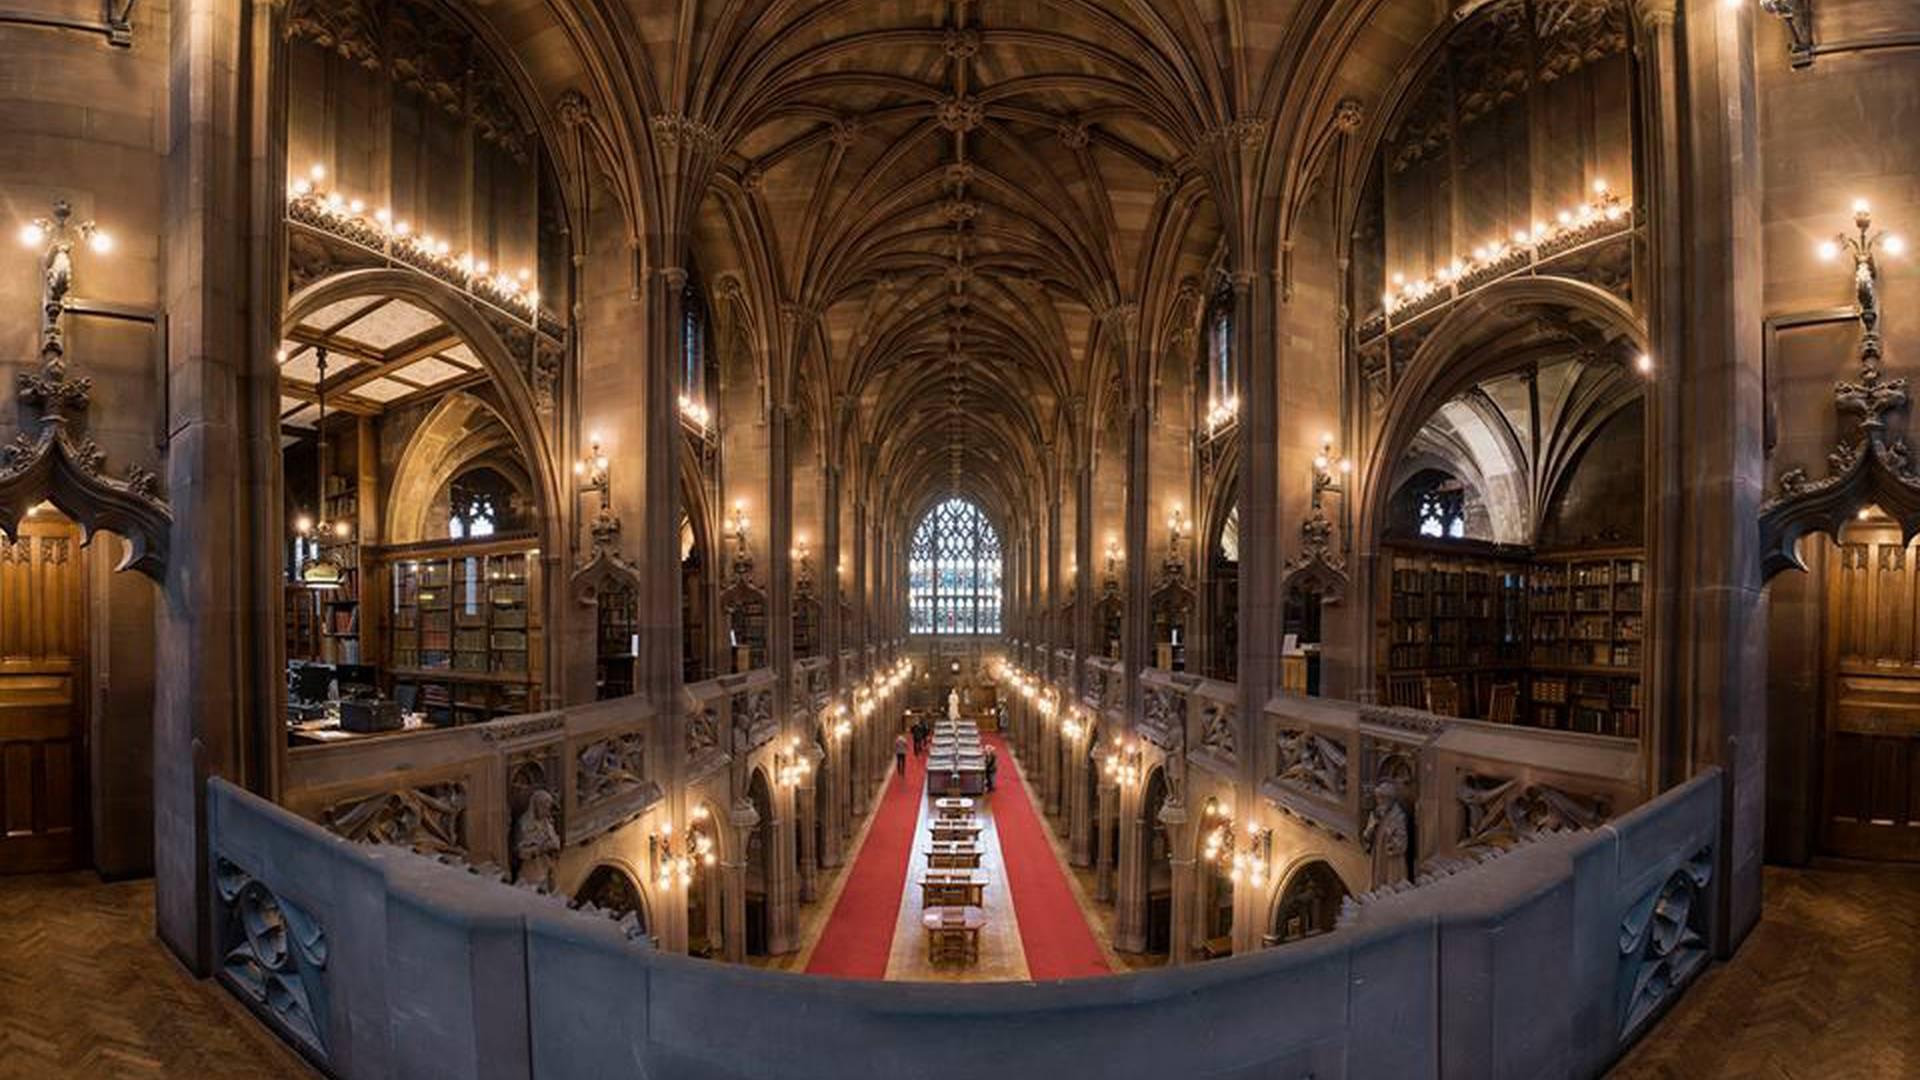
42, 718
1871, 746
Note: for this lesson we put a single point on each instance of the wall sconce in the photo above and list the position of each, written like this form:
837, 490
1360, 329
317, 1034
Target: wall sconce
1124, 763
738, 522
1246, 857
671, 867
1329, 470
1177, 524
593, 469
1071, 727
795, 769
54, 238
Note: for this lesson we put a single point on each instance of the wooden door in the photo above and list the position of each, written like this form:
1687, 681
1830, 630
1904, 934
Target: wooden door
1870, 747
43, 794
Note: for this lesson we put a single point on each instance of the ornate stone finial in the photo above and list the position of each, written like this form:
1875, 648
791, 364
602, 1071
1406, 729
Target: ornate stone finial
573, 109
960, 113
1349, 114
962, 44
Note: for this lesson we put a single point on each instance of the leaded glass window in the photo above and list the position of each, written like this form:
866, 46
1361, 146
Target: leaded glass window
953, 572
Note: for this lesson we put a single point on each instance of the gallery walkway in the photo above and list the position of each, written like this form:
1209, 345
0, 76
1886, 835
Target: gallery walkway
1036, 928
86, 990
1827, 985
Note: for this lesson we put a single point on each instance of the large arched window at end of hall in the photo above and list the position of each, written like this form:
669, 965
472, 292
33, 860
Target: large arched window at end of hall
953, 572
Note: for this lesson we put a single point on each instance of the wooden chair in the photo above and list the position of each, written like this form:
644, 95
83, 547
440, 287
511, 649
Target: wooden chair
1443, 695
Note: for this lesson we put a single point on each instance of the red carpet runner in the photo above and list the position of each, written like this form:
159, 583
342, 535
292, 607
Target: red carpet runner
859, 934
1053, 929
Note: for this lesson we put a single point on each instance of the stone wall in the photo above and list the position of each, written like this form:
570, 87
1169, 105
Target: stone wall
408, 967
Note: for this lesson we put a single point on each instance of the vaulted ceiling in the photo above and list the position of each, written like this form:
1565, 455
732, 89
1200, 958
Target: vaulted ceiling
957, 234
964, 206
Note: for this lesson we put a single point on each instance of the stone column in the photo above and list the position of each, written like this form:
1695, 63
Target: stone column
224, 181
733, 875
803, 815
1722, 639
1105, 856
1180, 923
783, 900
1079, 806
1130, 893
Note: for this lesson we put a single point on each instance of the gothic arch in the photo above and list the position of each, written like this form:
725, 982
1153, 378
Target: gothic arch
516, 405
1312, 890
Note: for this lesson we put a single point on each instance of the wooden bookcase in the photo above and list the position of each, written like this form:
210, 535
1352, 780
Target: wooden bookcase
465, 628
618, 618
1551, 641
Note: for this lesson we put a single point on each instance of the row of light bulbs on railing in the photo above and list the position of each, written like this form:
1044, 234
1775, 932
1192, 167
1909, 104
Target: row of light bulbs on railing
514, 288
797, 768
1124, 762
1604, 206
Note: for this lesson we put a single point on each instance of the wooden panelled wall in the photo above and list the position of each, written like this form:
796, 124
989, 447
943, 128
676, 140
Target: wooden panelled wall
1871, 746
42, 715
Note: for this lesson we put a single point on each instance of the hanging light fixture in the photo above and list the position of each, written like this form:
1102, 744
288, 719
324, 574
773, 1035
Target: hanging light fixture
320, 571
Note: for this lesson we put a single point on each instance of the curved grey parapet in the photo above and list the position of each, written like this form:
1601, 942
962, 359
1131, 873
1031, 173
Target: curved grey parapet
429, 970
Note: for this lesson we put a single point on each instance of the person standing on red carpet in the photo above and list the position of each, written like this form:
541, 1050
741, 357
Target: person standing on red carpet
900, 753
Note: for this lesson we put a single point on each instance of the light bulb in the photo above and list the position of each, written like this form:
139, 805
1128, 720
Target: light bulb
101, 242
1644, 363
1599, 186
1896, 245
31, 234
1828, 251
318, 172
1860, 206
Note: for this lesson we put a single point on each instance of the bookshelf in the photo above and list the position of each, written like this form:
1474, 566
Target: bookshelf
464, 628
618, 618
1552, 641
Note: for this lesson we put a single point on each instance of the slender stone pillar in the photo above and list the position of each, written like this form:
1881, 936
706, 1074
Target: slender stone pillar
1079, 806
1105, 856
1130, 892
733, 871
803, 815
1180, 923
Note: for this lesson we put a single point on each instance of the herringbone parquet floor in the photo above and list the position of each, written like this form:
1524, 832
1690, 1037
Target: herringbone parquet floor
86, 990
1827, 986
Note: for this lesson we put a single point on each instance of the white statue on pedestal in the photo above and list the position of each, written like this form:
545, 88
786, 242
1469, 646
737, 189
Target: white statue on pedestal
953, 704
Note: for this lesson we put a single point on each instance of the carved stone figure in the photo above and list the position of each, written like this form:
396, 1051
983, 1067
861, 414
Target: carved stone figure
609, 767
1217, 734
1314, 762
1386, 835
430, 819
536, 842
703, 732
1499, 812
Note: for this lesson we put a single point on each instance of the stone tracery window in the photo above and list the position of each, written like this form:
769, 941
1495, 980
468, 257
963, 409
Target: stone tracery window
1442, 512
953, 572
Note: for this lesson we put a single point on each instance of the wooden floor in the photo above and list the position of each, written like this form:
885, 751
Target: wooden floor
1828, 985
87, 991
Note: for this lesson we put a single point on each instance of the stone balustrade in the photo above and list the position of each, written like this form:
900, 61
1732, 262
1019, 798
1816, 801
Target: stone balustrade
376, 962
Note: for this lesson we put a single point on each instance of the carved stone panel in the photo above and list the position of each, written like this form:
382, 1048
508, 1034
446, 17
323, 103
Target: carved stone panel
1314, 763
274, 955
430, 819
1663, 943
610, 767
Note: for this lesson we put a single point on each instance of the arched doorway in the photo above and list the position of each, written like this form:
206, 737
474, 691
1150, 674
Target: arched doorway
611, 888
760, 867
1156, 857
1308, 904
703, 895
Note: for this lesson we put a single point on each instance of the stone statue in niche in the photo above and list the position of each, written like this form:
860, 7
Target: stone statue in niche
1387, 835
953, 705
536, 842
